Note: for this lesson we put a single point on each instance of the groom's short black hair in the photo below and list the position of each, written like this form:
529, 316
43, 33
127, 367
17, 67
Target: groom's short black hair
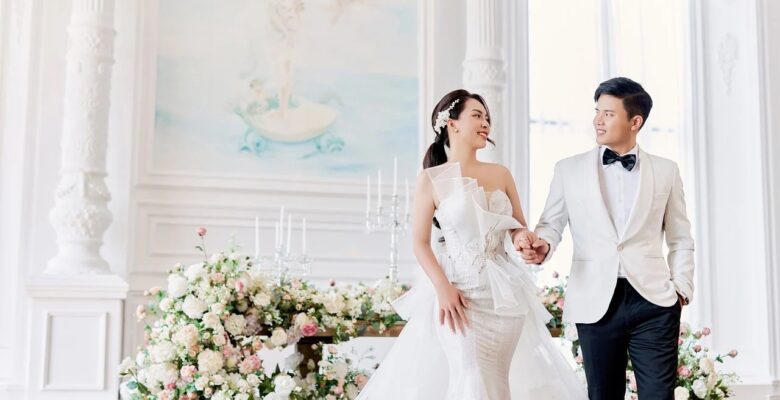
636, 100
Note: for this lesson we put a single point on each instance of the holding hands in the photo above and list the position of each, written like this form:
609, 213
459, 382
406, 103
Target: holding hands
532, 248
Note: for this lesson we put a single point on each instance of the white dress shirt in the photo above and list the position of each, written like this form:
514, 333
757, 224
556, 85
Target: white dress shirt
619, 188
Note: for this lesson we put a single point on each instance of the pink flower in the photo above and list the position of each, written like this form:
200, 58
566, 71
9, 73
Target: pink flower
697, 348
170, 385
679, 342
683, 371
578, 359
217, 277
361, 380
332, 283
706, 331
559, 303
239, 286
188, 373
250, 364
733, 353
309, 329
631, 381
201, 231
555, 274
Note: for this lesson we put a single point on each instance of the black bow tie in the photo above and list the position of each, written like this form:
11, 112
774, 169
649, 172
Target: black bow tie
628, 160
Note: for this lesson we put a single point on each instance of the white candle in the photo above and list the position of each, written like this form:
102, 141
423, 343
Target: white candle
406, 201
257, 236
303, 236
289, 232
368, 195
395, 176
281, 224
379, 189
276, 235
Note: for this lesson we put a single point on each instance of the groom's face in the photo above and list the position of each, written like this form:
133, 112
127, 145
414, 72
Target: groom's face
611, 122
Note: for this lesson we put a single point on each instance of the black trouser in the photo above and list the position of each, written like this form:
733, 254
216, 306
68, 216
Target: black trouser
633, 327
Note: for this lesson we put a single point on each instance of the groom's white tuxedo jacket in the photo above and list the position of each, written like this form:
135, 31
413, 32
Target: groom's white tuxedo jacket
576, 199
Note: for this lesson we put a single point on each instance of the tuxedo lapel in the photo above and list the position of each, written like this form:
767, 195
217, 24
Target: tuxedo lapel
593, 197
644, 197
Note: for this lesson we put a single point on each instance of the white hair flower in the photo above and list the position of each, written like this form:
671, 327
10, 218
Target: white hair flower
443, 117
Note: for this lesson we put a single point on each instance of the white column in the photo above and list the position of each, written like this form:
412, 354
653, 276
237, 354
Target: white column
75, 307
80, 214
484, 68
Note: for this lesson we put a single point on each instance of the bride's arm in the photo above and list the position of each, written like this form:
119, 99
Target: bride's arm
451, 301
522, 234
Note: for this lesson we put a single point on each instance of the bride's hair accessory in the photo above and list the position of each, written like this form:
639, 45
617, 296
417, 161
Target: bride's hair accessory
443, 117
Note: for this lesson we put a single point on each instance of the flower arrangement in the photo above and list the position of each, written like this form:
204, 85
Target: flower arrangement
215, 316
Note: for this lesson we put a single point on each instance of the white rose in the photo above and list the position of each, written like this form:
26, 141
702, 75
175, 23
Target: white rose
195, 271
333, 302
202, 382
177, 286
253, 380
284, 385
187, 336
193, 307
211, 320
681, 393
217, 308
279, 337
235, 324
210, 361
162, 374
706, 365
275, 396
162, 352
219, 340
341, 369
700, 388
241, 396
127, 366
165, 304
262, 299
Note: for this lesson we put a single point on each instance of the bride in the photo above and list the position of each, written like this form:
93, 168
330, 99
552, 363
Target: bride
475, 327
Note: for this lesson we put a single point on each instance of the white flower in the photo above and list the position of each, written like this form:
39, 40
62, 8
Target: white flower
681, 393
334, 302
292, 361
279, 337
700, 388
193, 307
177, 286
706, 365
253, 380
443, 116
202, 382
195, 271
127, 366
165, 304
262, 299
211, 320
210, 361
161, 374
219, 340
217, 308
162, 352
216, 257
341, 369
235, 324
284, 385
187, 336
275, 396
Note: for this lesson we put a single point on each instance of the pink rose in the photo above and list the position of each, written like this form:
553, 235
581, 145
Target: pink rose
361, 381
697, 348
201, 231
683, 371
309, 329
250, 364
706, 331
733, 353
188, 373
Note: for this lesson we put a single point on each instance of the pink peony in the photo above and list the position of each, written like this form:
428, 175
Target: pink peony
683, 371
201, 231
309, 329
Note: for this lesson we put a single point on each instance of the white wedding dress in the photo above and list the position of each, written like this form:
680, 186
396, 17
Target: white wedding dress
507, 320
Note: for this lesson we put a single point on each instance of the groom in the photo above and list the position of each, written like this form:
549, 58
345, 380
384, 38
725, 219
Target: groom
620, 203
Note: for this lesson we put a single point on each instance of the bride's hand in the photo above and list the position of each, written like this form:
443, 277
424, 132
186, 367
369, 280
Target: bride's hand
452, 308
523, 238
